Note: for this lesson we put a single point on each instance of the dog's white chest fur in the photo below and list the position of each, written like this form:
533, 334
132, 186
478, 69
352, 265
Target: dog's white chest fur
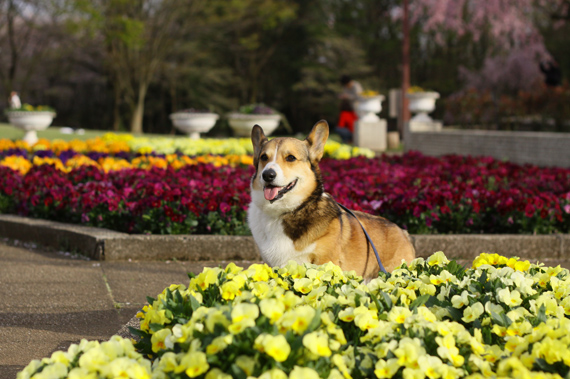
275, 246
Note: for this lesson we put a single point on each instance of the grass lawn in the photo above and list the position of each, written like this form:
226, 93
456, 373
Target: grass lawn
51, 133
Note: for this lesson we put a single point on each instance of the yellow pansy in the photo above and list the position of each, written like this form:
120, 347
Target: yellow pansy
276, 347
247, 364
386, 369
317, 343
160, 340
438, 259
273, 309
194, 363
216, 373
473, 312
303, 373
399, 314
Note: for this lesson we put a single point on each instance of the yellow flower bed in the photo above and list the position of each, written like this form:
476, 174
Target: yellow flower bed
504, 317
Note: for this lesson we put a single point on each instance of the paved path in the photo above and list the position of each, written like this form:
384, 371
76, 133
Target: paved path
49, 301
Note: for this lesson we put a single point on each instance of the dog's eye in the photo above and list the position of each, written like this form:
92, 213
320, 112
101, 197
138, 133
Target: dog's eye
291, 158
263, 157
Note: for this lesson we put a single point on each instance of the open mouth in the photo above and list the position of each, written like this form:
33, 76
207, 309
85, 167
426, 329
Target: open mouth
273, 193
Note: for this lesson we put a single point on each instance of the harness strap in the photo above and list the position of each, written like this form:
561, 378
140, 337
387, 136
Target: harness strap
367, 237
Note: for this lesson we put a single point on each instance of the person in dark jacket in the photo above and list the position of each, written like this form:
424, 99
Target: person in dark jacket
552, 73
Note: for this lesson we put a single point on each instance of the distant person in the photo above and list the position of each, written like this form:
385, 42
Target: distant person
14, 100
346, 119
348, 99
552, 73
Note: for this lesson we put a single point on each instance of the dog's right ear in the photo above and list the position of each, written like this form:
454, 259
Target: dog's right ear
258, 139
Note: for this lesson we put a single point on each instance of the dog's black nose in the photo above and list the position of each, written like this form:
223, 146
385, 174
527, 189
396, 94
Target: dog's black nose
269, 175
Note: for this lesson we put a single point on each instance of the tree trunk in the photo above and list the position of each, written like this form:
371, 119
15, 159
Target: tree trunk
116, 107
138, 111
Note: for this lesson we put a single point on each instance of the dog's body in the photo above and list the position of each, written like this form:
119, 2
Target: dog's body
292, 218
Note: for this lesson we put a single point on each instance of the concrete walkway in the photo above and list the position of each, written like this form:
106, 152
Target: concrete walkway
49, 300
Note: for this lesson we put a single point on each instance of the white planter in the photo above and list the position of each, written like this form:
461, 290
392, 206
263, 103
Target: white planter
194, 123
30, 122
368, 107
422, 103
242, 123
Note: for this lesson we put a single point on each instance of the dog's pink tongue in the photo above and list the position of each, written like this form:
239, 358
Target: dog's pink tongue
271, 192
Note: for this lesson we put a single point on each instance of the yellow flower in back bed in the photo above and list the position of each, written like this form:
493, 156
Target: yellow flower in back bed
17, 163
50, 161
6, 144
78, 145
42, 144
59, 145
113, 164
96, 145
80, 160
115, 147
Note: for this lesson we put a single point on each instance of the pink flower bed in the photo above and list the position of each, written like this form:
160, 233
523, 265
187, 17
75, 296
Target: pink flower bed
452, 194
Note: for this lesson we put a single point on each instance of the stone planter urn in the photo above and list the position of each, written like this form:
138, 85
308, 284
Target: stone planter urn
31, 122
422, 103
242, 123
194, 123
368, 107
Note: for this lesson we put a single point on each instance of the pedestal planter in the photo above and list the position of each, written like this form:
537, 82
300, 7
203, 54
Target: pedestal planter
422, 103
194, 123
30, 122
368, 107
242, 123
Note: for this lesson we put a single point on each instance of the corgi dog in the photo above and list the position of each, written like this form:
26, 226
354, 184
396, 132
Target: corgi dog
291, 217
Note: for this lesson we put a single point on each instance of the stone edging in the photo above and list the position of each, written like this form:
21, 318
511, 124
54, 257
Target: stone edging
103, 244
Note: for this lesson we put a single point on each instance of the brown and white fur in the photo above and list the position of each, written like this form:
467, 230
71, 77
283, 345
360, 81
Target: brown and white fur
292, 218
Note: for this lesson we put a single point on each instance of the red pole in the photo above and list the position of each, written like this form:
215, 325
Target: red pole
405, 65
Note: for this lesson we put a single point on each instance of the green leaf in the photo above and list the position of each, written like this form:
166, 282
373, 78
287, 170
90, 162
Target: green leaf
137, 332
497, 318
456, 314
419, 301
156, 327
194, 304
387, 299
315, 322
379, 305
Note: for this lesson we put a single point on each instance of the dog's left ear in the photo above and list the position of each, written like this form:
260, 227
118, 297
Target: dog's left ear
317, 140
258, 139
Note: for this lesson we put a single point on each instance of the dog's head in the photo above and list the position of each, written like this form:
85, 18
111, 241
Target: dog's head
287, 169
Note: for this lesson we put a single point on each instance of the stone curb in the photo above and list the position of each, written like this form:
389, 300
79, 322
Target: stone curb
103, 244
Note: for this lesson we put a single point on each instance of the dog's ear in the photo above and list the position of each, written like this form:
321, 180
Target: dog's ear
258, 139
317, 140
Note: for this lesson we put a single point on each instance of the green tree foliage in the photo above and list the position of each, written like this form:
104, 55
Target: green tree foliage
132, 62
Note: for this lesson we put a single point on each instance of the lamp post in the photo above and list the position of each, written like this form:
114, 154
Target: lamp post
405, 69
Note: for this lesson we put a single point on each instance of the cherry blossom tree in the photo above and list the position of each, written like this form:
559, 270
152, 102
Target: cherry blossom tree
510, 29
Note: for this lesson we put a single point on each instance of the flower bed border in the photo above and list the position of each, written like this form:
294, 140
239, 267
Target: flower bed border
103, 244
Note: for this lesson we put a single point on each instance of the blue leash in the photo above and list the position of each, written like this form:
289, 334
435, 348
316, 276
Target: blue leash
367, 238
